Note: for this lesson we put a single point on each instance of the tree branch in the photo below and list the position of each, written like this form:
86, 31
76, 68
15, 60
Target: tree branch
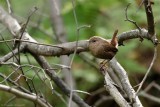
113, 91
150, 21
150, 18
15, 84
65, 48
51, 73
118, 69
150, 97
14, 28
132, 34
21, 94
11, 54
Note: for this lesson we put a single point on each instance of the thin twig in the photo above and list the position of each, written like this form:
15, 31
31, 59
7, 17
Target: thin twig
51, 73
80, 91
75, 51
140, 5
10, 55
21, 31
149, 97
9, 47
9, 101
152, 84
23, 28
84, 26
9, 6
77, 31
14, 27
21, 94
148, 71
127, 19
14, 83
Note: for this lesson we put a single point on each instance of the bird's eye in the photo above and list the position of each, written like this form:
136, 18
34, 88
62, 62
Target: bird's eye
93, 40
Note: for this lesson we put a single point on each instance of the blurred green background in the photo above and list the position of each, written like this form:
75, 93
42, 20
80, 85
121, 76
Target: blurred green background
104, 16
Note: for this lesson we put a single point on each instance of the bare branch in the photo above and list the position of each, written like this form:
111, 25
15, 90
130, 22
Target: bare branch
14, 83
148, 96
118, 69
132, 34
67, 48
149, 86
114, 78
9, 6
21, 94
148, 71
127, 19
58, 50
11, 54
77, 30
150, 21
113, 91
14, 28
150, 17
51, 73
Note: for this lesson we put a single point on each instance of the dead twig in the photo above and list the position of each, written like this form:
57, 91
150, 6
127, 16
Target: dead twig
148, 71
134, 22
127, 19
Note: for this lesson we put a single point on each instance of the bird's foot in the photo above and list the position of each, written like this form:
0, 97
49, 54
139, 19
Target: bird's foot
103, 66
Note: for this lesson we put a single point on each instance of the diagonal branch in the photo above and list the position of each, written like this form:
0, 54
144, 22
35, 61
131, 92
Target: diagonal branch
11, 54
113, 91
21, 94
51, 73
148, 71
14, 28
118, 69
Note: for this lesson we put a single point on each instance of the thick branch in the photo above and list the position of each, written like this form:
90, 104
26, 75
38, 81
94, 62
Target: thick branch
150, 18
51, 73
113, 91
150, 21
12, 25
60, 49
125, 82
132, 35
14, 28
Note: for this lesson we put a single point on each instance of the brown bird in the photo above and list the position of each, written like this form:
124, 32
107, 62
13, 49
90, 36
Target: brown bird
102, 48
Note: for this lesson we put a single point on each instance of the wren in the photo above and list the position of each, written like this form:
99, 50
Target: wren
102, 48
